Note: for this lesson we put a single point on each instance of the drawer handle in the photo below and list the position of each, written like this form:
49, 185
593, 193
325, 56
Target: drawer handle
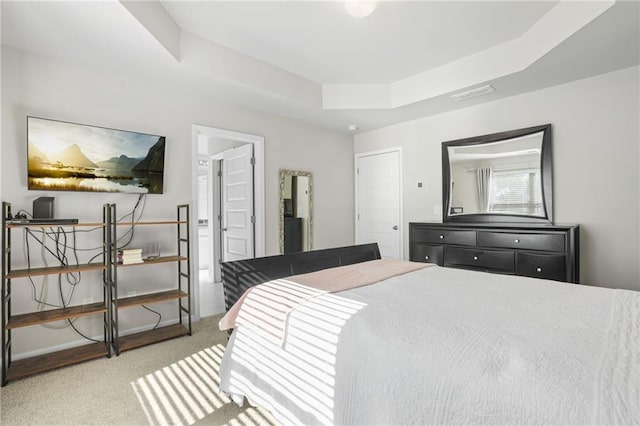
426, 258
475, 257
516, 241
538, 269
441, 237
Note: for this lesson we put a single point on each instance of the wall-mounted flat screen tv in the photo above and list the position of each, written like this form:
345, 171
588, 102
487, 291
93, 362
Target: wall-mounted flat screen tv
77, 157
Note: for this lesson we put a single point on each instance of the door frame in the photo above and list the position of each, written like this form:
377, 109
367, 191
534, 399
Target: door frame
401, 226
259, 196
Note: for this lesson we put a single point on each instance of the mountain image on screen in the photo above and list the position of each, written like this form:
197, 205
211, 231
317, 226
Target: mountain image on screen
119, 163
154, 161
74, 157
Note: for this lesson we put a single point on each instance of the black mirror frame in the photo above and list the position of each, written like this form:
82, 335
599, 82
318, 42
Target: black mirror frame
546, 177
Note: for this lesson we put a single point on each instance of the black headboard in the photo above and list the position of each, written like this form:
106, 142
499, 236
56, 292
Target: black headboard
241, 275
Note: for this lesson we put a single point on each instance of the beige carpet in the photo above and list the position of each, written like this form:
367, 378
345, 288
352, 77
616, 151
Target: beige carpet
173, 382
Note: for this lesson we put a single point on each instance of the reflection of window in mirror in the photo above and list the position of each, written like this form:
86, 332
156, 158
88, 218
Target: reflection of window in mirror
516, 191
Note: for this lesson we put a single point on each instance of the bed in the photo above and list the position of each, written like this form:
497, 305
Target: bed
430, 346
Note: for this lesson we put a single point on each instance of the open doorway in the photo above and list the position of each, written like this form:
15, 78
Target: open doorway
226, 222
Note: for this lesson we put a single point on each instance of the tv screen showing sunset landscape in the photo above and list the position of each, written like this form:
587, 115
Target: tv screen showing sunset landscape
76, 157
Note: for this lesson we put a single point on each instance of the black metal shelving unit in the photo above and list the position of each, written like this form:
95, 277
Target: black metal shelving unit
111, 277
112, 343
14, 369
182, 292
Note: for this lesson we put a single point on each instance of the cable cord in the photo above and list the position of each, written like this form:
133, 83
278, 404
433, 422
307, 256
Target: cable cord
30, 232
49, 236
131, 213
140, 197
134, 221
44, 290
60, 238
23, 211
155, 312
39, 300
60, 255
81, 333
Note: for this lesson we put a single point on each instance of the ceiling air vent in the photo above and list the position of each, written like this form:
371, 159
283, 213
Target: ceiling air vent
478, 91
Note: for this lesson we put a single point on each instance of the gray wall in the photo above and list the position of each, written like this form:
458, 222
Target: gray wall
596, 163
50, 88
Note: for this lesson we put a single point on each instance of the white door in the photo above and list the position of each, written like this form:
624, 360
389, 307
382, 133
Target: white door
215, 216
237, 204
378, 209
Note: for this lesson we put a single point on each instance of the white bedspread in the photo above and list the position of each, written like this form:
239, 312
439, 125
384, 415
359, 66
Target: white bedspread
448, 346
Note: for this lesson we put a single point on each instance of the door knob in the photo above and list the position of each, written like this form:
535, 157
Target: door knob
395, 227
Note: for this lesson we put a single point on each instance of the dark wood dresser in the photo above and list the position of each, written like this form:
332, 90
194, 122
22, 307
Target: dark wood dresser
540, 251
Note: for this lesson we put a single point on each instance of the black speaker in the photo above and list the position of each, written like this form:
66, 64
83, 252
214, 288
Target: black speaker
43, 208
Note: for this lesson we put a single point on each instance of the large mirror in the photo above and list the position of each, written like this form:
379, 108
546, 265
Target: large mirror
296, 206
502, 177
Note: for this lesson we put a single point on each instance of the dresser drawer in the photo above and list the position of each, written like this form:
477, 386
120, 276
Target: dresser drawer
445, 236
545, 242
550, 267
493, 260
428, 253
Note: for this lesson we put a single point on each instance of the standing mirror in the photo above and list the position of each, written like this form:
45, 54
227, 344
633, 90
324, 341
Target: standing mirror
501, 177
296, 202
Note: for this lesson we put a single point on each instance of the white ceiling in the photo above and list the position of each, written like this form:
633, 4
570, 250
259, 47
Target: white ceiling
311, 61
319, 41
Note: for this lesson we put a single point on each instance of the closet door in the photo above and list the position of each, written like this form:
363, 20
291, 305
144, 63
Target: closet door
378, 201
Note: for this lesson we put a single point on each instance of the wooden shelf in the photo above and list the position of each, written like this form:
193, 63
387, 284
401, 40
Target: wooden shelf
21, 273
161, 259
41, 317
49, 225
38, 364
159, 222
144, 299
144, 338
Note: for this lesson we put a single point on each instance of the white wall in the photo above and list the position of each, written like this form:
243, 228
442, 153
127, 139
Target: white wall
596, 163
50, 88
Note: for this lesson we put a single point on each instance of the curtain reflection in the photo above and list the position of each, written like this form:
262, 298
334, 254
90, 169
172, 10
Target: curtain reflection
483, 176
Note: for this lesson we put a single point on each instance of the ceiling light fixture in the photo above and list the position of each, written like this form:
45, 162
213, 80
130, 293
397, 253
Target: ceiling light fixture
352, 127
478, 91
360, 8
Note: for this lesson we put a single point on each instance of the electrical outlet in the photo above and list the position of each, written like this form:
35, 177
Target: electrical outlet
437, 209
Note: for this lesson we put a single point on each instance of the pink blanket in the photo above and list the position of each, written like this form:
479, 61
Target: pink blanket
267, 305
